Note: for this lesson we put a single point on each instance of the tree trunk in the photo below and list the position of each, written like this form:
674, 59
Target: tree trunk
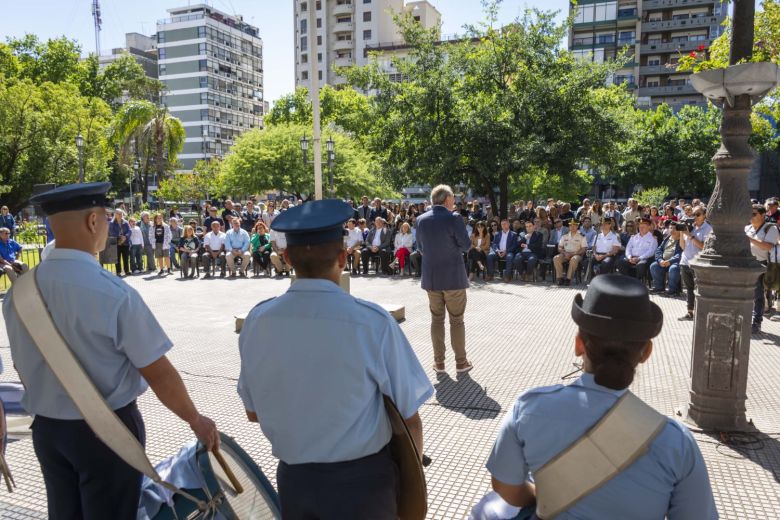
145, 187
503, 194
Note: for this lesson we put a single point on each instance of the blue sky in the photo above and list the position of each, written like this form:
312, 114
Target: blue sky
73, 18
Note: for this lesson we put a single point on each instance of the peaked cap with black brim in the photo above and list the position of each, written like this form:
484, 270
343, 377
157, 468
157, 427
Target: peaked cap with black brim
617, 306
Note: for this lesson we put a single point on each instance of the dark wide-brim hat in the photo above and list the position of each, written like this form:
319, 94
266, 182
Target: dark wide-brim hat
73, 197
313, 223
617, 306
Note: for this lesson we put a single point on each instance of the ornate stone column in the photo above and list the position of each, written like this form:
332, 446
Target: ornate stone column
726, 271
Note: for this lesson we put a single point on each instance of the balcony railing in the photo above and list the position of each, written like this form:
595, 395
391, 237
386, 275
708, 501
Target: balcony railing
667, 25
668, 90
665, 4
690, 45
658, 69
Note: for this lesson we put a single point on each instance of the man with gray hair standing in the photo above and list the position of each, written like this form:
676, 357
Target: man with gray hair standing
442, 240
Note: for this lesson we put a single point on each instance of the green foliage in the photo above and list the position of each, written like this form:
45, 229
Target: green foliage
505, 107
345, 108
55, 60
149, 133
203, 182
673, 150
38, 127
270, 159
652, 196
27, 233
110, 83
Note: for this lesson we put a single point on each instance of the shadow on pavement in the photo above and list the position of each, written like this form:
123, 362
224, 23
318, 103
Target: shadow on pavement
465, 396
758, 447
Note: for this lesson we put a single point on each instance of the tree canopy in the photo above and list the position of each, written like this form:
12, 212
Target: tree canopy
270, 159
505, 107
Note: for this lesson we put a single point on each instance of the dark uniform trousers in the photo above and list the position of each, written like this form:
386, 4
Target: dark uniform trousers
363, 488
84, 478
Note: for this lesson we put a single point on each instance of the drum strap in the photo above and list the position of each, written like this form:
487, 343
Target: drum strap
620, 437
34, 315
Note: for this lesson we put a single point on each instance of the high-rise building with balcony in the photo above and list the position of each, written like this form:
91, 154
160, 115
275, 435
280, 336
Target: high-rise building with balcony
347, 30
212, 66
655, 33
143, 50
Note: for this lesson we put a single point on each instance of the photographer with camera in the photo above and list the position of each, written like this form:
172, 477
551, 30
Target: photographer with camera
692, 237
763, 238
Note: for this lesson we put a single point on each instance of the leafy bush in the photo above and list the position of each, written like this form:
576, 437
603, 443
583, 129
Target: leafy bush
652, 196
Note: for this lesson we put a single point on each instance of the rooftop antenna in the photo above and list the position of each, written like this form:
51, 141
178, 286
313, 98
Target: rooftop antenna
98, 23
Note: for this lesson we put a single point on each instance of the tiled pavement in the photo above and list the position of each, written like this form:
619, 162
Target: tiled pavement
518, 336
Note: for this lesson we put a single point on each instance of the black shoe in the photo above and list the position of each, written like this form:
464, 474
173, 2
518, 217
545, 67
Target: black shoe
561, 281
567, 282
687, 317
160, 272
755, 328
653, 290
207, 275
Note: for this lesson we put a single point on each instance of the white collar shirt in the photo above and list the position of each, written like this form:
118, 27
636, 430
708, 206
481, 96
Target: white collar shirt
642, 247
502, 242
377, 238
354, 237
605, 243
280, 239
214, 240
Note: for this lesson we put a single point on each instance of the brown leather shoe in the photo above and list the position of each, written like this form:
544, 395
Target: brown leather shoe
439, 368
462, 368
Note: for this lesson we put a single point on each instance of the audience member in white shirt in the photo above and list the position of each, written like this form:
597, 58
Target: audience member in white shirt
640, 249
214, 245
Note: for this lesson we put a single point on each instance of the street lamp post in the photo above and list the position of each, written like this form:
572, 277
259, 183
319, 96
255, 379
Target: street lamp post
314, 91
331, 146
331, 149
80, 147
136, 167
726, 271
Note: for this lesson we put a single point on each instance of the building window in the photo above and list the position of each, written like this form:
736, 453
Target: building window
201, 32
319, 57
319, 75
304, 25
319, 23
161, 37
319, 40
304, 6
367, 16
304, 58
304, 42
204, 81
367, 34
305, 75
366, 1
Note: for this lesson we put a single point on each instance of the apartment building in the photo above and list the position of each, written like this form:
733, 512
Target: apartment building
141, 47
655, 33
346, 30
212, 66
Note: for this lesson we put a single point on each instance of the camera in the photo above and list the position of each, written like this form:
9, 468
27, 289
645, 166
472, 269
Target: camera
684, 225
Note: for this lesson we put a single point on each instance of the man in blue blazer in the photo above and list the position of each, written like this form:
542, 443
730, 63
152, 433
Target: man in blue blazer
442, 240
667, 261
504, 247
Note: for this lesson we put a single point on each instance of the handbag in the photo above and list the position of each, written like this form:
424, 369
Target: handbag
772, 275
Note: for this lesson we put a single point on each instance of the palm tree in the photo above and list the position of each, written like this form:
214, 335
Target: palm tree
152, 133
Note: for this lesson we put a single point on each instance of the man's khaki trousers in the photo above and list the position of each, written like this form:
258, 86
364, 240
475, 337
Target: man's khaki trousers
454, 304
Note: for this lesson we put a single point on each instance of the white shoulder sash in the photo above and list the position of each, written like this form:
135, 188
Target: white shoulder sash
34, 315
614, 443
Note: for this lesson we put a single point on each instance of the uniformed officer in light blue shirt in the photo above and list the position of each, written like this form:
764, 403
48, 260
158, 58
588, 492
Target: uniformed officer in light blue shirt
315, 364
616, 323
117, 341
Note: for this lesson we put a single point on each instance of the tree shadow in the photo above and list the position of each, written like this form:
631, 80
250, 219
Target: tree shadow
758, 447
466, 396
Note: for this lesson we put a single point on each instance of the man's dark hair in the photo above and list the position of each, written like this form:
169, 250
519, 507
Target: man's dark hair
314, 261
761, 209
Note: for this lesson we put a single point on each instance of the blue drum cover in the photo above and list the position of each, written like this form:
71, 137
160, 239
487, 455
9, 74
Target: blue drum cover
192, 470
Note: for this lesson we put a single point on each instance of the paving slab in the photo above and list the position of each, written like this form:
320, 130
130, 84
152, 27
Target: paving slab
518, 336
